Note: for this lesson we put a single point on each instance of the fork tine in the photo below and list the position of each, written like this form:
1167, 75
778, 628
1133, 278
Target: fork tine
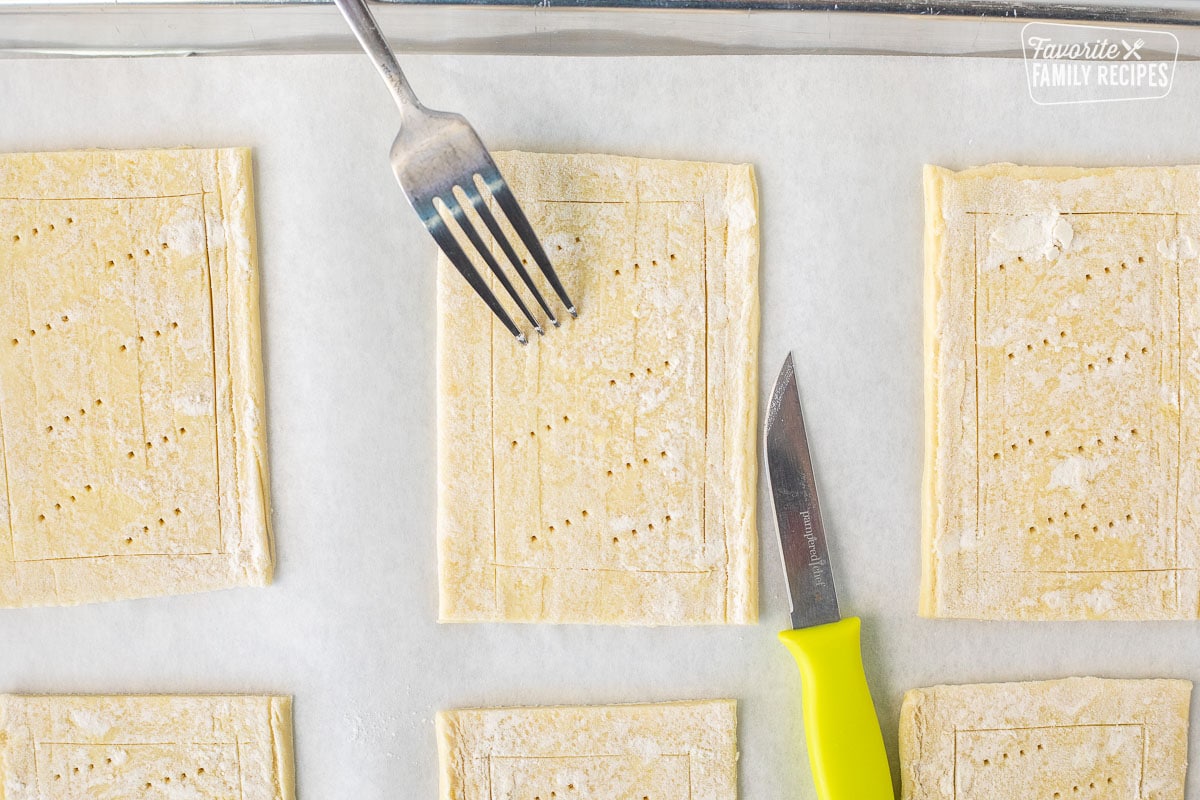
477, 202
445, 240
516, 216
460, 216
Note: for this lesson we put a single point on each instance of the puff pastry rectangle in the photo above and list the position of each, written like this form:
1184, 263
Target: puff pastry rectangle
605, 473
669, 751
66, 747
1066, 739
1062, 423
131, 392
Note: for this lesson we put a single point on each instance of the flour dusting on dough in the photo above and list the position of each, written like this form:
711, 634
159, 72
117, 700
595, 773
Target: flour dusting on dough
1177, 247
1075, 472
184, 233
1044, 234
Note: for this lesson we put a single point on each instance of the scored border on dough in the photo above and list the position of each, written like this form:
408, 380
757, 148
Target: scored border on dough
55, 747
1064, 739
668, 751
605, 473
154, 253
1061, 347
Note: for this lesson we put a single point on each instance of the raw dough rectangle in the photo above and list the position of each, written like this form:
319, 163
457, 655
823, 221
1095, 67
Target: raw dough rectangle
668, 751
1062, 354
208, 747
131, 392
1073, 738
605, 473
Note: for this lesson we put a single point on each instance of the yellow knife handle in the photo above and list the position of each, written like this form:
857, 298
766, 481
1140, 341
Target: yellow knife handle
845, 747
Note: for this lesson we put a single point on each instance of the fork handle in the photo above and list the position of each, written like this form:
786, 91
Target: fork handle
366, 30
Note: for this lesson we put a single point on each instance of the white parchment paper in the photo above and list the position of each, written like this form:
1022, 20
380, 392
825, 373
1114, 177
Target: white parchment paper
348, 311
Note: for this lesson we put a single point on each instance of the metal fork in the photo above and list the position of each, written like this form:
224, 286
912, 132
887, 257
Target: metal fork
435, 153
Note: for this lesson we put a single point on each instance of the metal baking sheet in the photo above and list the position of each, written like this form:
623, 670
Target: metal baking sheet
348, 313
40, 28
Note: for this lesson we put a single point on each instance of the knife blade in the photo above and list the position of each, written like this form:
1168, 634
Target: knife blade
812, 595
845, 746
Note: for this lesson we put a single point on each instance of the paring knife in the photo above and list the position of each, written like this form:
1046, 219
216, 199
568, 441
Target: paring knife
845, 747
